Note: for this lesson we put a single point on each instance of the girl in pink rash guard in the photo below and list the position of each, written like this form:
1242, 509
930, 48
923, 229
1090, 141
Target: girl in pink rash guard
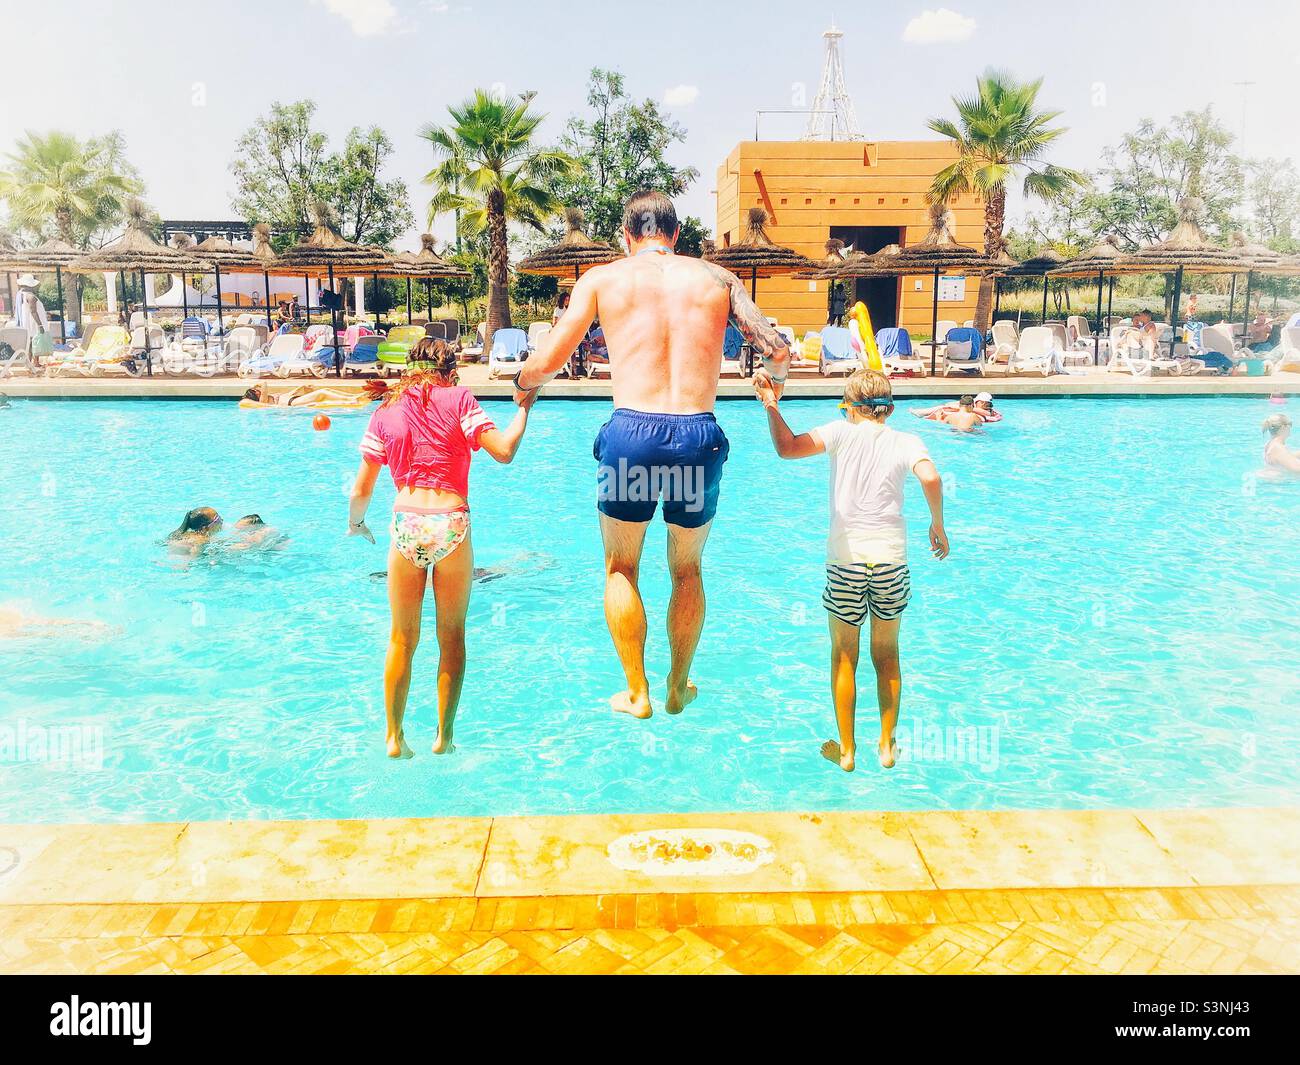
425, 432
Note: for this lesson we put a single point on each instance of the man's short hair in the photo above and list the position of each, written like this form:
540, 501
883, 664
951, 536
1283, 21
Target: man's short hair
966, 401
650, 214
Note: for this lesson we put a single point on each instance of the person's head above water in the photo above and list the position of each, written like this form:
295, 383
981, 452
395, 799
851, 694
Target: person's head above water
966, 402
250, 521
867, 396
649, 218
984, 399
1277, 426
201, 521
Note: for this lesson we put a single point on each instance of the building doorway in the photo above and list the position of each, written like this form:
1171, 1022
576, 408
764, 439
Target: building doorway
880, 294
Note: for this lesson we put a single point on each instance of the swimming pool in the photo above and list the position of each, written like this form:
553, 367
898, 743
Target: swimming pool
1116, 627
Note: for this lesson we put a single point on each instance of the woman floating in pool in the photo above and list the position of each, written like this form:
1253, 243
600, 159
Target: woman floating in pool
314, 396
1277, 456
196, 530
425, 433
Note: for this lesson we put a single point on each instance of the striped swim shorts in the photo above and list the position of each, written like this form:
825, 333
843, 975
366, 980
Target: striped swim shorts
855, 589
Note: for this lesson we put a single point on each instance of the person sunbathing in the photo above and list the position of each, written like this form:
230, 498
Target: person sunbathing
983, 407
16, 623
309, 396
1277, 456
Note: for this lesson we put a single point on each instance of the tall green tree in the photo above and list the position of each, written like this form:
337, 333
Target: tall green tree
621, 145
1000, 132
57, 185
283, 164
1156, 167
490, 171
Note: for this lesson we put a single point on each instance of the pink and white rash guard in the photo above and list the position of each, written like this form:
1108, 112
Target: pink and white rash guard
426, 438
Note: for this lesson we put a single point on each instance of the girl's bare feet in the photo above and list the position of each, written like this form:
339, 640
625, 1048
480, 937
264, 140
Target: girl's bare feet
442, 744
636, 706
887, 752
397, 746
832, 753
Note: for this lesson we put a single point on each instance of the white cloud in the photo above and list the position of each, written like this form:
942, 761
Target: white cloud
681, 95
939, 27
368, 18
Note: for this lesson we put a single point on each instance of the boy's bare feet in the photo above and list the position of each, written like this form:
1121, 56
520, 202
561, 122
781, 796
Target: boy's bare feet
636, 706
887, 752
680, 700
397, 746
832, 753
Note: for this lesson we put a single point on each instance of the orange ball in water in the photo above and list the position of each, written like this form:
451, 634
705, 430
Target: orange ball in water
320, 422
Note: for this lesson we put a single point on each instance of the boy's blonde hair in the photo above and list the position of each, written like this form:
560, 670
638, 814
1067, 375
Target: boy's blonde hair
863, 386
1275, 423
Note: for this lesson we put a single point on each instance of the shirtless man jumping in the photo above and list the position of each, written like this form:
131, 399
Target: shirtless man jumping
663, 316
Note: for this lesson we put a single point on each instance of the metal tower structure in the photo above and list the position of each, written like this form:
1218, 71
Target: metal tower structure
832, 117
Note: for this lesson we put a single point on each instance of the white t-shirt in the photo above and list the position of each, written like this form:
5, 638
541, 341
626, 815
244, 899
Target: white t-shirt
869, 463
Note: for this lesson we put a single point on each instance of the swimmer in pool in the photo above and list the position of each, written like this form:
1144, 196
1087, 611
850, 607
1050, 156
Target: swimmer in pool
17, 624
983, 407
251, 533
1277, 456
965, 419
308, 395
195, 531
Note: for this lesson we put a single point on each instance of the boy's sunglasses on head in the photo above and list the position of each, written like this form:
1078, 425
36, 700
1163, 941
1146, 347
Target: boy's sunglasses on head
866, 404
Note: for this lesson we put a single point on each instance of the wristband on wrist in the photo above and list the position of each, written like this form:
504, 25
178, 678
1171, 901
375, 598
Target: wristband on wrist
520, 388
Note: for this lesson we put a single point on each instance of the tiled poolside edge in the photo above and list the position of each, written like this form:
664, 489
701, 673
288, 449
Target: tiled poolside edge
517, 857
801, 386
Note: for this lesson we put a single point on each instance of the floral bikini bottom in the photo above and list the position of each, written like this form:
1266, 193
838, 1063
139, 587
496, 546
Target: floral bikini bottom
426, 538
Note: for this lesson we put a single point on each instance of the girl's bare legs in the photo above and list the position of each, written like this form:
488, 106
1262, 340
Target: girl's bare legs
844, 692
889, 682
453, 578
406, 583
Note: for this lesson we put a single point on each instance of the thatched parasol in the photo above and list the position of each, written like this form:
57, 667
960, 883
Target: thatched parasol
827, 267
424, 265
573, 255
1041, 264
755, 255
137, 252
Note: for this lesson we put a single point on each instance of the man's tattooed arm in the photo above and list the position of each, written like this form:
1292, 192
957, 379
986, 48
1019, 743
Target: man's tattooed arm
758, 332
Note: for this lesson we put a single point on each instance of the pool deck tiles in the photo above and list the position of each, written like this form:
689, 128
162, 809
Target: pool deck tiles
1041, 891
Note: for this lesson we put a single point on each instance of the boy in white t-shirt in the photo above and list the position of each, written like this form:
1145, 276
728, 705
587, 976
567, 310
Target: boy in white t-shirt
866, 554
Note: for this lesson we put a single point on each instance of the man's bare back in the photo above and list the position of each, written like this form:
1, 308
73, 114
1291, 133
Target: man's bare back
664, 316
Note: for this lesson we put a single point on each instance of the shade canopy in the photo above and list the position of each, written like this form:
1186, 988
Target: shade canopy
755, 255
1046, 261
573, 255
50, 255
938, 250
1101, 258
136, 250
828, 265
325, 250
218, 251
425, 264
1187, 248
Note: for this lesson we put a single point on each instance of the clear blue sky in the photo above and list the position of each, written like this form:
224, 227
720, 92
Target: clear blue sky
398, 63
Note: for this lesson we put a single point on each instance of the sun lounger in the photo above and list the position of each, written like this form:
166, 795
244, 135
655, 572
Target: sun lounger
837, 354
963, 350
897, 354
1288, 359
1006, 338
732, 344
395, 348
509, 350
364, 356
284, 347
1036, 352
108, 345
15, 350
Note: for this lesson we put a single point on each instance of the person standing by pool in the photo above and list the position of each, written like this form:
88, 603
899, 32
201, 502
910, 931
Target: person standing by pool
425, 433
663, 317
866, 553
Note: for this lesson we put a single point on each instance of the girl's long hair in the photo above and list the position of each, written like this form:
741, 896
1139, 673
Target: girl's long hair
431, 364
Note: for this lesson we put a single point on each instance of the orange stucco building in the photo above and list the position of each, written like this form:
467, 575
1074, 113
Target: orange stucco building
868, 194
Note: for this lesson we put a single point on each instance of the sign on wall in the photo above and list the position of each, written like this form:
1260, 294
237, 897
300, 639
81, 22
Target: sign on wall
952, 289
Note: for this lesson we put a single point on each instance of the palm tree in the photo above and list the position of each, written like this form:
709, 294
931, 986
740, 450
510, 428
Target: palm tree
490, 172
999, 132
76, 188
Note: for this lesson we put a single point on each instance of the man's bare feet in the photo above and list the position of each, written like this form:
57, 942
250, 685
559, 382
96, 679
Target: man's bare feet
832, 753
680, 700
887, 753
398, 747
636, 706
443, 744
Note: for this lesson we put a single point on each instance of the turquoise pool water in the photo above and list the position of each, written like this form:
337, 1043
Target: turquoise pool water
1117, 625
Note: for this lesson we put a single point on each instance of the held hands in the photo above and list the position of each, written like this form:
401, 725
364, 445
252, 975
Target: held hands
361, 529
766, 389
525, 400
938, 541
